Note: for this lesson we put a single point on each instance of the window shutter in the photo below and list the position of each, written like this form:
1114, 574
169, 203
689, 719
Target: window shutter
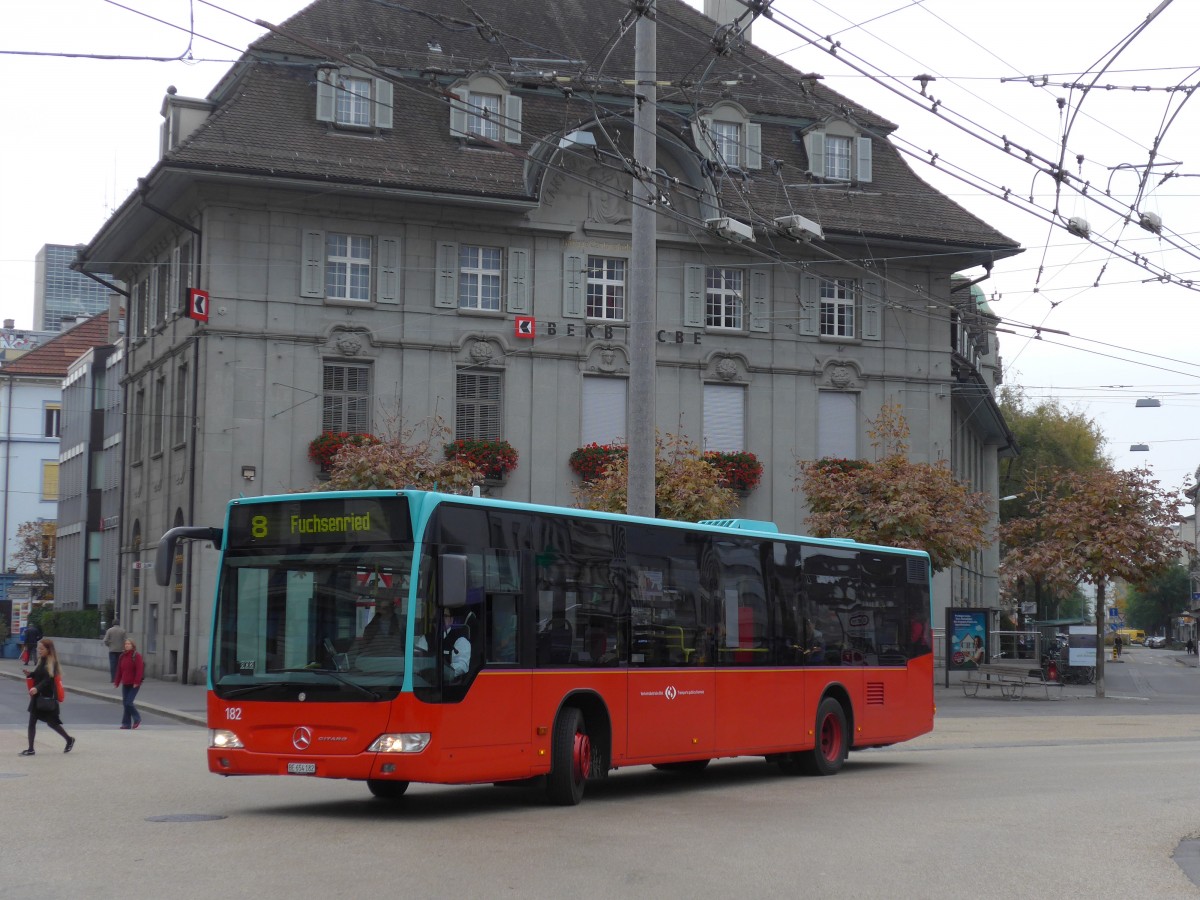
512, 119
173, 307
312, 272
389, 270
325, 89
724, 417
458, 116
445, 290
753, 145
814, 144
693, 296
383, 103
837, 425
518, 281
573, 285
604, 404
872, 311
810, 304
864, 159
701, 137
760, 300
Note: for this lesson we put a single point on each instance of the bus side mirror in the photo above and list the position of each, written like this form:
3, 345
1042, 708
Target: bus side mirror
164, 556
453, 572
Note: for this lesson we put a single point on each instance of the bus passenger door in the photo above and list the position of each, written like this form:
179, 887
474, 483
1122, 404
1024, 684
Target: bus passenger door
671, 695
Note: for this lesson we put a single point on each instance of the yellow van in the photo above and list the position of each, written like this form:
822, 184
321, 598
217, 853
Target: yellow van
1132, 635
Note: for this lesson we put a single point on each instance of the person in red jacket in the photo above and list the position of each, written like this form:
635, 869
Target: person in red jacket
130, 669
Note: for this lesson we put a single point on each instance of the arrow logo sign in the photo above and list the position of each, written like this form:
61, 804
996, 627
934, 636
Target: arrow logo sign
197, 304
526, 327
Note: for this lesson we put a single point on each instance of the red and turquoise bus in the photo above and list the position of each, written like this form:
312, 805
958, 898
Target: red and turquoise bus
404, 636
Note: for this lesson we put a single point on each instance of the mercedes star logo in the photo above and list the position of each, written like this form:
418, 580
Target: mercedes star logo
302, 738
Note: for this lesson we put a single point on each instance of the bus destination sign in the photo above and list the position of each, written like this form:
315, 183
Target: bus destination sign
295, 523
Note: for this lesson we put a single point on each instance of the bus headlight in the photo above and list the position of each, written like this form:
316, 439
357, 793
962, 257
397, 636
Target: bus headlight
220, 739
408, 742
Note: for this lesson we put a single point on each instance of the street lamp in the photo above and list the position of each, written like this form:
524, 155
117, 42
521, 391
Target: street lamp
1139, 448
1148, 401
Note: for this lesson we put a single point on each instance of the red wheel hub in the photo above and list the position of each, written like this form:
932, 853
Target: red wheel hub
831, 738
582, 756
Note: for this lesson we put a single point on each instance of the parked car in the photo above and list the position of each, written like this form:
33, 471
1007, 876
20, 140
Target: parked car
1155, 641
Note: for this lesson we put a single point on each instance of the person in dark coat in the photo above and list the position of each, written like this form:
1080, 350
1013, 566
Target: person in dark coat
44, 687
33, 634
131, 668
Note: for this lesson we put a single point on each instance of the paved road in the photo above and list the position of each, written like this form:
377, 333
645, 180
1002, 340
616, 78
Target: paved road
1079, 798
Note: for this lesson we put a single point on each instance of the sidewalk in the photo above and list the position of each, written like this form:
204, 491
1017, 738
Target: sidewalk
181, 702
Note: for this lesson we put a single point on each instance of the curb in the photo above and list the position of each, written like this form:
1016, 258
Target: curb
176, 715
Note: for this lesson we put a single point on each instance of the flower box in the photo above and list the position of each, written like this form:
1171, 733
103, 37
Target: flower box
738, 470
495, 459
324, 447
592, 461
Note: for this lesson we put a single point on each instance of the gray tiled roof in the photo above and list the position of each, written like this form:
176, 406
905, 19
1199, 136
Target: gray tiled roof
265, 124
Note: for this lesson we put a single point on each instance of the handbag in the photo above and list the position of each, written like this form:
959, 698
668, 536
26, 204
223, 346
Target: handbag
25, 656
59, 690
45, 704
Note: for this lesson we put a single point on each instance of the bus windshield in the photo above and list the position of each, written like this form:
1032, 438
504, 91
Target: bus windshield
312, 615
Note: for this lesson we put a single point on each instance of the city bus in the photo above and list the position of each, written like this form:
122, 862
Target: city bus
407, 636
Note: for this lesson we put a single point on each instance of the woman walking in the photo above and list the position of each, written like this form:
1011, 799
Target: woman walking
43, 695
130, 669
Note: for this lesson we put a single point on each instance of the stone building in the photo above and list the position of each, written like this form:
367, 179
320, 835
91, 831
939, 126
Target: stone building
394, 217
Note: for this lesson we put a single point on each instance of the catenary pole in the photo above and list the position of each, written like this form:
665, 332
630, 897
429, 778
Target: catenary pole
643, 300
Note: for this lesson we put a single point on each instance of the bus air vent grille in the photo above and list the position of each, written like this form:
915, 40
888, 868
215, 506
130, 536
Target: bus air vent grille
874, 693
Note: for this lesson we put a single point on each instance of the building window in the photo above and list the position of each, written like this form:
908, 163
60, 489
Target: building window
52, 424
137, 426
161, 278
352, 99
135, 575
141, 308
724, 417
49, 540
604, 405
723, 298
838, 301
837, 158
724, 135
606, 288
837, 425
346, 398
837, 152
347, 267
49, 480
478, 277
179, 407
482, 106
477, 406
156, 415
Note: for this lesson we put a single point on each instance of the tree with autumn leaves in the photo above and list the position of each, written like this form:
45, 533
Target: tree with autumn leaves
1091, 527
412, 458
894, 501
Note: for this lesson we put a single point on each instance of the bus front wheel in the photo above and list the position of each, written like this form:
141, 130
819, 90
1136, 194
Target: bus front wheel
570, 759
387, 790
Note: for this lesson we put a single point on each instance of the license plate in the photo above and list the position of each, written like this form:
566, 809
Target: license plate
302, 768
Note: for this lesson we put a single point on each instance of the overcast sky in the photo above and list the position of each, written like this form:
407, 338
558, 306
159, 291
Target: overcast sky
79, 132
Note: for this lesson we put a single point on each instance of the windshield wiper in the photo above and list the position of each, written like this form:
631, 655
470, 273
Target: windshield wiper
338, 677
251, 688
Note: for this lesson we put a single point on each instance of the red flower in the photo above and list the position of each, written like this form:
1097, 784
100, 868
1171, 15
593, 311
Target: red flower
325, 446
592, 461
738, 470
494, 459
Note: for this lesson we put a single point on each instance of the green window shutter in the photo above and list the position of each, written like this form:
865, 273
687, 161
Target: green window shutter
512, 119
383, 103
389, 270
872, 311
810, 304
753, 145
518, 281
445, 290
693, 296
458, 115
814, 145
312, 265
864, 159
325, 89
574, 280
760, 300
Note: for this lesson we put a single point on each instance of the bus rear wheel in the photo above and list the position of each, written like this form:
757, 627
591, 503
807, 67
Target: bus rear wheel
387, 790
570, 759
832, 740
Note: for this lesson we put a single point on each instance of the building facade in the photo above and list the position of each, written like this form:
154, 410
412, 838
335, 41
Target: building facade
442, 231
59, 292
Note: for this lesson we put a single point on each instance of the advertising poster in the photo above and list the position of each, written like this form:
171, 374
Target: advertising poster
966, 634
1081, 645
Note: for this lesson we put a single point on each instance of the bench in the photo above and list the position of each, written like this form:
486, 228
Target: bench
1011, 679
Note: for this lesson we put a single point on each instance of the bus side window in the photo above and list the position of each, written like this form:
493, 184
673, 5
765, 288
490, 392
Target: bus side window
502, 628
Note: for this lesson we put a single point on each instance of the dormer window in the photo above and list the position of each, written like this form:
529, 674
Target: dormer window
725, 135
353, 99
483, 108
838, 152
